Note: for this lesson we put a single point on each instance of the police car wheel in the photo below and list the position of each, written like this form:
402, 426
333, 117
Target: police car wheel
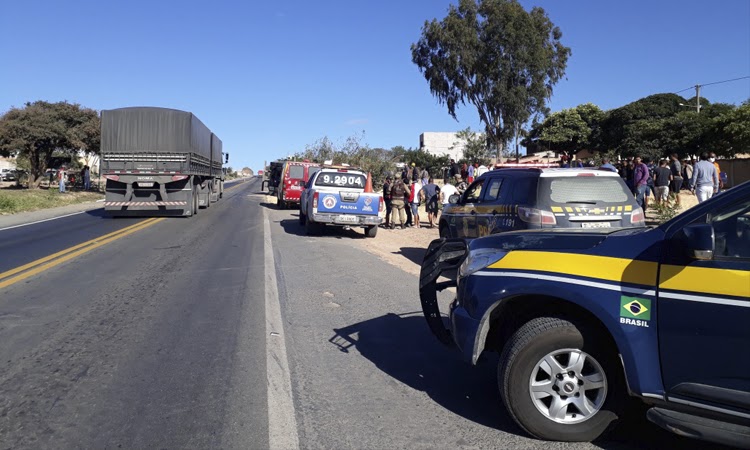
371, 231
560, 382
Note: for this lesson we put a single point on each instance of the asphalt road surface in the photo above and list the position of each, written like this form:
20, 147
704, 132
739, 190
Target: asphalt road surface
163, 333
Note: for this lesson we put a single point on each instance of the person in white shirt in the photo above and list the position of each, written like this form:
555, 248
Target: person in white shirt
445, 193
480, 170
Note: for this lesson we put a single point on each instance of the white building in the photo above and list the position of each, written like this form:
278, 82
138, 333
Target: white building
442, 143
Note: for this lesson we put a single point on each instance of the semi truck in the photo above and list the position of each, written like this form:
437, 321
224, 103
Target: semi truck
159, 161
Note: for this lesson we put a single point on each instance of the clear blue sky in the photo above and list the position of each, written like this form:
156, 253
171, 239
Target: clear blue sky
272, 77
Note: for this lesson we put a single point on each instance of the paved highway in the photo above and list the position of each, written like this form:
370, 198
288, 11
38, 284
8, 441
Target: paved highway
232, 329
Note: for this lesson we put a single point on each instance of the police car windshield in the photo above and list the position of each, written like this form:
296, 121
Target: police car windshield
341, 179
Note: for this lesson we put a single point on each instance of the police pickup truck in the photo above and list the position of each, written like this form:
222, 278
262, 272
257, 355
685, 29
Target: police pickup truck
336, 195
583, 319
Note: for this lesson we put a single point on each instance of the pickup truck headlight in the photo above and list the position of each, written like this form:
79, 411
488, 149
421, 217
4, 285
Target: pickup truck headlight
479, 259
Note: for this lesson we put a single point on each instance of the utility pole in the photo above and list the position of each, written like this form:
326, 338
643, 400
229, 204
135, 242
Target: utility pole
698, 98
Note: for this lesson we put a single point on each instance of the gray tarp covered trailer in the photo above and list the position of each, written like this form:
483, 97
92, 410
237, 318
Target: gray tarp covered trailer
159, 160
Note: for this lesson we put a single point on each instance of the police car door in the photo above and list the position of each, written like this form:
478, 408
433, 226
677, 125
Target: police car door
473, 208
704, 311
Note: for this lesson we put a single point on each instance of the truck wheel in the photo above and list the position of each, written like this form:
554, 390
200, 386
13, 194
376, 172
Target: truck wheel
559, 381
371, 231
195, 202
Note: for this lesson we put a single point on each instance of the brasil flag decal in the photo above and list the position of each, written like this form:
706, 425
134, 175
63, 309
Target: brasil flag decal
635, 308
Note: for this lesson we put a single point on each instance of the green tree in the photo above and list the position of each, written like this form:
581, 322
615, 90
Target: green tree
568, 130
475, 147
731, 130
495, 55
41, 130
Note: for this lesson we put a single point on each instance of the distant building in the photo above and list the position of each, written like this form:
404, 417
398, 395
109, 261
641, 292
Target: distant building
442, 143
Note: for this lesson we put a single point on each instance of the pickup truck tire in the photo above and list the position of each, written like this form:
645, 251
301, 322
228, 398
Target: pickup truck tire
527, 364
371, 231
311, 228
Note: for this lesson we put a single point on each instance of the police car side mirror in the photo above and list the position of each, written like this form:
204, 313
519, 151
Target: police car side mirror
699, 241
453, 199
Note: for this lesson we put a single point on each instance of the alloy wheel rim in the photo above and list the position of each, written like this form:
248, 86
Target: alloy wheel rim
568, 386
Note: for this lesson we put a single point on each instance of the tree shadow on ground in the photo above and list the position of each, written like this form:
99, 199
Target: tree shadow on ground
402, 346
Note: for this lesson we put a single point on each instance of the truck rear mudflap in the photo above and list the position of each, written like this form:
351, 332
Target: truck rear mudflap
443, 257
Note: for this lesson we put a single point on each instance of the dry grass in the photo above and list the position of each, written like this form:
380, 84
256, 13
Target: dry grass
13, 201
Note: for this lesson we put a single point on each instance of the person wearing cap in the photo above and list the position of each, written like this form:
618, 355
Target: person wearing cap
387, 198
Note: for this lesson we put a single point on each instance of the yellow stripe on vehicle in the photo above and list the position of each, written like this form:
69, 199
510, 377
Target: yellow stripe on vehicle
705, 280
601, 267
629, 208
557, 209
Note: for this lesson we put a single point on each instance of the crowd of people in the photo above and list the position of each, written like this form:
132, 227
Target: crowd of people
414, 187
668, 176
660, 180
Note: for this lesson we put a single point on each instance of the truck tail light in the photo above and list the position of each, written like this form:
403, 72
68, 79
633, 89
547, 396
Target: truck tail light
112, 177
381, 208
538, 216
178, 177
315, 201
637, 217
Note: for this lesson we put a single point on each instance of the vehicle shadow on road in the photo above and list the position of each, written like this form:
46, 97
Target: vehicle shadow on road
401, 346
413, 254
292, 226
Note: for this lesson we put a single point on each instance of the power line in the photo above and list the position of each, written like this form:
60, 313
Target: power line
715, 82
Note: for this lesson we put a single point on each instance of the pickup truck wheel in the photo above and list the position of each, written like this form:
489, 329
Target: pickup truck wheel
560, 382
371, 231
311, 228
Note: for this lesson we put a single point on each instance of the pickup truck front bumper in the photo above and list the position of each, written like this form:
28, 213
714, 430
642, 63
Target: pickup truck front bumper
347, 219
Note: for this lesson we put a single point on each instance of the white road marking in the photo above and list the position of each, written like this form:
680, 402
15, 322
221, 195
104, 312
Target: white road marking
45, 220
282, 423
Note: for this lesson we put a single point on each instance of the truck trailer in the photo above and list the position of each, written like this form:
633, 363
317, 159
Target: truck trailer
159, 161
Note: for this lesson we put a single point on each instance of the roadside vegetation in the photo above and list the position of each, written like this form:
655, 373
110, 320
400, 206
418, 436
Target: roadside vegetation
14, 201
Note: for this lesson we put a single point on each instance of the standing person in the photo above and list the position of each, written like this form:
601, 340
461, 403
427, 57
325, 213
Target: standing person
407, 204
675, 169
86, 175
429, 196
61, 178
464, 171
470, 177
640, 182
416, 174
687, 173
387, 199
455, 169
705, 181
480, 170
414, 202
663, 179
425, 176
712, 158
445, 194
398, 191
606, 165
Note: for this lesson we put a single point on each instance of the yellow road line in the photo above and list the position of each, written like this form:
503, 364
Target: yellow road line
67, 255
68, 250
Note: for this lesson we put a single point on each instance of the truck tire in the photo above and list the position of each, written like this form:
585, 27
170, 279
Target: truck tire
371, 231
195, 201
549, 367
